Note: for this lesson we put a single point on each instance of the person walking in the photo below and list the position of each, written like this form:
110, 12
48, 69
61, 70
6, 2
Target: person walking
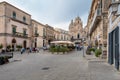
22, 50
77, 47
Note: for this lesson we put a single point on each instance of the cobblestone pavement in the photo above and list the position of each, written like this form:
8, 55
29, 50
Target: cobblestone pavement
47, 66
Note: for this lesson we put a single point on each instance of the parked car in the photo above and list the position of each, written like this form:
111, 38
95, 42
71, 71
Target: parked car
44, 47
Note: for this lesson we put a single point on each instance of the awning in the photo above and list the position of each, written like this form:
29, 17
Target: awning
62, 42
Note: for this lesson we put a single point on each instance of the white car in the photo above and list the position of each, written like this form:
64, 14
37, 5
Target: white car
44, 48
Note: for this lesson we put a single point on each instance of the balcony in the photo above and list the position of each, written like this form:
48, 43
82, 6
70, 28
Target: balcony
44, 37
36, 35
21, 35
95, 20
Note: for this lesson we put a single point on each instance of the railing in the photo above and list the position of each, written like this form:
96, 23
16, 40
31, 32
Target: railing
44, 37
36, 34
97, 14
18, 34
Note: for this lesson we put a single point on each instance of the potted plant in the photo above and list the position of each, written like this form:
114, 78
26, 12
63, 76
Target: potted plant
1, 46
18, 47
98, 52
8, 47
1, 60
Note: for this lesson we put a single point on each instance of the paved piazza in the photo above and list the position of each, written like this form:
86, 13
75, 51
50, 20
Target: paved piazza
47, 66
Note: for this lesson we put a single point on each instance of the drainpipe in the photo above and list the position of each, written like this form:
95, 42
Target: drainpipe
5, 45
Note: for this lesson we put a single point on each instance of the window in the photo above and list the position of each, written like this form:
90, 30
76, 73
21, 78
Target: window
72, 38
64, 37
24, 19
14, 15
14, 30
24, 32
36, 30
115, 0
43, 31
61, 37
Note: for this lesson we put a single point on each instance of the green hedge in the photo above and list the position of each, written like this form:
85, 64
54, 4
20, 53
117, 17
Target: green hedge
88, 52
1, 46
3, 60
59, 49
92, 49
98, 52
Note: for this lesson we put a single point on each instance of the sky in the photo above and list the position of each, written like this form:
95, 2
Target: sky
56, 13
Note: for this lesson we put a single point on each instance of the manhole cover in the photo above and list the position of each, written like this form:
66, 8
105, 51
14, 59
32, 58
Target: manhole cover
17, 60
45, 68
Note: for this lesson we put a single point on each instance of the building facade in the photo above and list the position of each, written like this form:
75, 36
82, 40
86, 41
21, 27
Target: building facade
61, 35
14, 26
49, 34
85, 35
75, 30
98, 24
38, 34
114, 34
18, 29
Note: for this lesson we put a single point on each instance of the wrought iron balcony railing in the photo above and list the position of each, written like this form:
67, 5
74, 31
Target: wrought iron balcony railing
18, 34
96, 18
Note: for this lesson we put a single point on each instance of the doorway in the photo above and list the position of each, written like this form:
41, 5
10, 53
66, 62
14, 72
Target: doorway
113, 57
13, 44
25, 44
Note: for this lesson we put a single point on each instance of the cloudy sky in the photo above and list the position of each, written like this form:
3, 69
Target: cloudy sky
57, 13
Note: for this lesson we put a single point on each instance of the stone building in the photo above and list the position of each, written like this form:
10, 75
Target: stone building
86, 35
57, 34
76, 29
98, 24
14, 26
37, 37
49, 34
61, 35
114, 34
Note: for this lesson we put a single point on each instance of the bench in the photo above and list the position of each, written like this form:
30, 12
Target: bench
6, 54
4, 57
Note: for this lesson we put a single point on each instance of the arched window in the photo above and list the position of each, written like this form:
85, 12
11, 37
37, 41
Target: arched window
13, 40
78, 36
14, 15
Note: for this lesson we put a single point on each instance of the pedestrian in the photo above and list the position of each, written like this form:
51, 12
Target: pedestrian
30, 49
77, 47
22, 50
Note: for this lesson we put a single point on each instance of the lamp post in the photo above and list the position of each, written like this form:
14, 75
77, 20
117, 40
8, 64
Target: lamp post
83, 46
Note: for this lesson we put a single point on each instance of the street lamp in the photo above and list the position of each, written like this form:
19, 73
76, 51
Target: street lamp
83, 46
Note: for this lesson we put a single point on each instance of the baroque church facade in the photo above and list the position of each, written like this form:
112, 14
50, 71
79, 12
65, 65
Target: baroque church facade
76, 30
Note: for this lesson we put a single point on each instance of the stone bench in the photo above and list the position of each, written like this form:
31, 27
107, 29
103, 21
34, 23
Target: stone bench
6, 54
